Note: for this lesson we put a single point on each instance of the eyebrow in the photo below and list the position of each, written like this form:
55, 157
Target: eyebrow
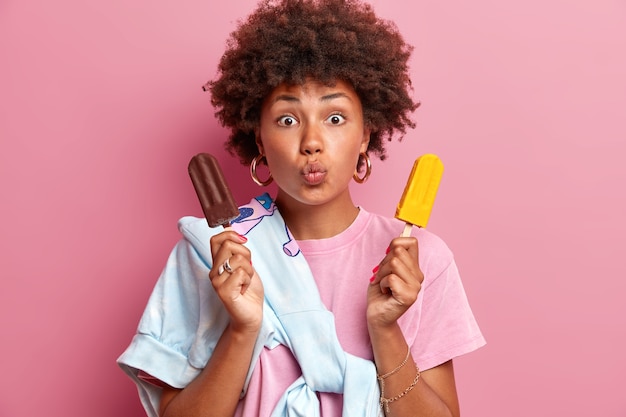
326, 98
334, 96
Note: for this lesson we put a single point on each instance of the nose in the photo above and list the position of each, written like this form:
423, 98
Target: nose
312, 140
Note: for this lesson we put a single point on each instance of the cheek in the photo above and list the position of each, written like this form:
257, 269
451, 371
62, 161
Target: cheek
277, 148
347, 155
350, 145
276, 157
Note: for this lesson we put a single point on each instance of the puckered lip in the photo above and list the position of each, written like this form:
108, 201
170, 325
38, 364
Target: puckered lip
314, 173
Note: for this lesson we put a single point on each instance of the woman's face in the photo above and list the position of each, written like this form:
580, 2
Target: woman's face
311, 136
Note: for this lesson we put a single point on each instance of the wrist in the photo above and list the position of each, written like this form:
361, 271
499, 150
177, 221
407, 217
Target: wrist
382, 329
245, 333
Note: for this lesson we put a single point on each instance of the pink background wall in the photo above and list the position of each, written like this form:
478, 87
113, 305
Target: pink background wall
101, 108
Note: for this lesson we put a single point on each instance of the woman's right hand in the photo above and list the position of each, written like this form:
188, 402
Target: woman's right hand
241, 290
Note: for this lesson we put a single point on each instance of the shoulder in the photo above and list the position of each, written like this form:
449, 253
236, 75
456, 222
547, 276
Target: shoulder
434, 253
197, 233
379, 224
196, 228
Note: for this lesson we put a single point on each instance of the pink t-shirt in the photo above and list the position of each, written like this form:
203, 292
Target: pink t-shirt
438, 327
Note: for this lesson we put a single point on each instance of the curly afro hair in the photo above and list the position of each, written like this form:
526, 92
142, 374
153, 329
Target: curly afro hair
288, 41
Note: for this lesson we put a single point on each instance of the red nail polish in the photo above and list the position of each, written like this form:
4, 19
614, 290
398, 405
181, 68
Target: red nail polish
388, 249
372, 279
243, 238
375, 269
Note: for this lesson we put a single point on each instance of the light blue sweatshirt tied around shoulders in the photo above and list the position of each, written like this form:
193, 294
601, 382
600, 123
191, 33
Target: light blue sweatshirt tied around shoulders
184, 320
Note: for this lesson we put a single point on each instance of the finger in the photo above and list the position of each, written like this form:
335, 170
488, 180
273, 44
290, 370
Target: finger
402, 259
398, 288
404, 248
394, 263
234, 252
409, 244
230, 286
239, 261
245, 281
217, 241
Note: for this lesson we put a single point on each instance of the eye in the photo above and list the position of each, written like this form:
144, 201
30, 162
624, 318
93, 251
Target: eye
287, 121
336, 119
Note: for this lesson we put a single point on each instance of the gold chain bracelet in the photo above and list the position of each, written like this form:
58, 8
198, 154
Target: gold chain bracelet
384, 402
388, 374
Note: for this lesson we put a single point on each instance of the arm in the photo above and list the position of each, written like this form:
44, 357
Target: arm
395, 286
216, 390
434, 394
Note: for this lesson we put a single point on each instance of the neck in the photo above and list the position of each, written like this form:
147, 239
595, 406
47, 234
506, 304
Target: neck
317, 221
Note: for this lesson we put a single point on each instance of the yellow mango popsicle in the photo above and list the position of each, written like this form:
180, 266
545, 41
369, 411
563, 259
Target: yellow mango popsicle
419, 194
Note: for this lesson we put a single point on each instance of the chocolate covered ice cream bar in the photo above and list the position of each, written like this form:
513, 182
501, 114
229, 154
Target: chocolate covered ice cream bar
215, 196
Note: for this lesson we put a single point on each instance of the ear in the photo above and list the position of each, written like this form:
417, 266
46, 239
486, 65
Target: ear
366, 139
257, 140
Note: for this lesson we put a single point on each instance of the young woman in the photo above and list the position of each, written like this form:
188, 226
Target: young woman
314, 306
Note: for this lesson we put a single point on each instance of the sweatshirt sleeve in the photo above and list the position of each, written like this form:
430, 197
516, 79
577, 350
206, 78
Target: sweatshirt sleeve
173, 340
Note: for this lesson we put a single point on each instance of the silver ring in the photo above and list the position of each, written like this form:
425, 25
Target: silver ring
220, 270
227, 267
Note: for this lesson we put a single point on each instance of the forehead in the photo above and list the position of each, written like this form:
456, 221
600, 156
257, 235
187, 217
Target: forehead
313, 90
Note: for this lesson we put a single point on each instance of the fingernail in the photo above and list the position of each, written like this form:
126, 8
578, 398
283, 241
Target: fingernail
388, 249
243, 238
372, 278
375, 269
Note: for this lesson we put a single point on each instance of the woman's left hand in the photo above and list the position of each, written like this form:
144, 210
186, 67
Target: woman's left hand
396, 282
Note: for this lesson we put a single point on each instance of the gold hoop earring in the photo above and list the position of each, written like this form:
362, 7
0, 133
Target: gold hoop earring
253, 174
368, 171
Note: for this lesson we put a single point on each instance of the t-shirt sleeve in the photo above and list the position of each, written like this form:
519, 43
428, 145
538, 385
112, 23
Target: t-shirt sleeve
447, 327
440, 325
